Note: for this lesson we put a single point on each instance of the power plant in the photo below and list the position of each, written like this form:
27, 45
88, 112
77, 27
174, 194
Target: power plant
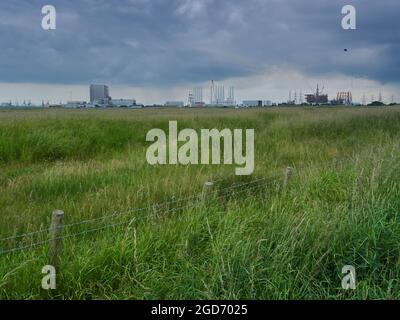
99, 93
344, 98
196, 97
217, 96
317, 98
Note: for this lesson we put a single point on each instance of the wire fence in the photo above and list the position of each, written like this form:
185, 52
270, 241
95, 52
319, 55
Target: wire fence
41, 237
29, 240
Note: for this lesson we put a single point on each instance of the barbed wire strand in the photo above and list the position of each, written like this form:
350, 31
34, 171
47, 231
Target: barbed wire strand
134, 219
148, 207
117, 214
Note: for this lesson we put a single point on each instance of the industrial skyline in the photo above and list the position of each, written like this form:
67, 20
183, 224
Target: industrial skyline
99, 96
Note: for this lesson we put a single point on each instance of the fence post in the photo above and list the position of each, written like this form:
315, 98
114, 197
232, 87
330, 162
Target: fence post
207, 192
56, 229
288, 176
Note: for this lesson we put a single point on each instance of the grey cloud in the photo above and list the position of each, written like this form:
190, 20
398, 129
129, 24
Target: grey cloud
166, 43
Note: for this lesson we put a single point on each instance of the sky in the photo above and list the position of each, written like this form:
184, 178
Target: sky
157, 50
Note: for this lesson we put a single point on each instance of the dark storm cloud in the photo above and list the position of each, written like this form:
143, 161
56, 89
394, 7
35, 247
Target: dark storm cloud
158, 42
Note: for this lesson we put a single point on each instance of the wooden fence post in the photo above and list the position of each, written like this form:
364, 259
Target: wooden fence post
207, 192
288, 176
56, 229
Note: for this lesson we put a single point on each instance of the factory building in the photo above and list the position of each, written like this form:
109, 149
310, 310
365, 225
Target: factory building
75, 104
217, 97
99, 93
343, 98
123, 103
252, 103
196, 97
317, 97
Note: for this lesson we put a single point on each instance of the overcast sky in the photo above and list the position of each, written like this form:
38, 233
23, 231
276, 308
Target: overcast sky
156, 50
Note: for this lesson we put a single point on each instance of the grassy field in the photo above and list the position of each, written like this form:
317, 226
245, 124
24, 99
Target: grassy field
257, 240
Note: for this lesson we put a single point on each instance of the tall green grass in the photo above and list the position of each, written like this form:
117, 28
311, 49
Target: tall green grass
341, 208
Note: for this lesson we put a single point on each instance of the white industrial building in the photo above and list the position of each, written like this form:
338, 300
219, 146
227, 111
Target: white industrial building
75, 104
123, 103
100, 98
252, 103
257, 103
